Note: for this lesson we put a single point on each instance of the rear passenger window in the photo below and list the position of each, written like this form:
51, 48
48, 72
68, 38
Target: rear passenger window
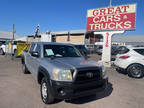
123, 50
140, 51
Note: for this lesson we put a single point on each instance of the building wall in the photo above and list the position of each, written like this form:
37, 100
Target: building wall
31, 39
22, 38
76, 39
134, 43
61, 38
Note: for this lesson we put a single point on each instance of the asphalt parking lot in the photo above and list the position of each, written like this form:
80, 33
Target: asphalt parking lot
22, 91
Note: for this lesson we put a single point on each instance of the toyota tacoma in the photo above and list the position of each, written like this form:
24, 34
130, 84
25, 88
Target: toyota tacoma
62, 72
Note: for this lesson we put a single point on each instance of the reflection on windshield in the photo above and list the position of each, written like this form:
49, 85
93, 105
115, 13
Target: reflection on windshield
60, 51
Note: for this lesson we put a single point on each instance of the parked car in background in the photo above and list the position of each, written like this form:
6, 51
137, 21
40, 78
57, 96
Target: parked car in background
1, 43
99, 49
2, 48
8, 48
114, 49
120, 50
82, 49
131, 60
90, 48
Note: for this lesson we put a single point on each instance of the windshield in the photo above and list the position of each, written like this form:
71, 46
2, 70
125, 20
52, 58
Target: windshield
60, 51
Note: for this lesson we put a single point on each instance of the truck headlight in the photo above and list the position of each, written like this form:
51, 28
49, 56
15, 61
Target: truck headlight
62, 75
104, 71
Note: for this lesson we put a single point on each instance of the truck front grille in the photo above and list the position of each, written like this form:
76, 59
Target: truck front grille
87, 75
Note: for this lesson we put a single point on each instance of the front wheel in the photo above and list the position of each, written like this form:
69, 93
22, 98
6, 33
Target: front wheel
46, 94
136, 71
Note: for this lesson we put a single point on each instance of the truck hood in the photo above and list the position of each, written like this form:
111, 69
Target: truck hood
73, 62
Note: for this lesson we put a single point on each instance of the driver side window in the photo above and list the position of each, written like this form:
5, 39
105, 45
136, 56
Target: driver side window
32, 47
38, 49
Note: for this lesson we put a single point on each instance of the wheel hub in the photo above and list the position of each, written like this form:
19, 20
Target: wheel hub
136, 70
44, 90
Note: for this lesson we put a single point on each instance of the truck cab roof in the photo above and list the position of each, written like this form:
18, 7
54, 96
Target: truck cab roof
51, 43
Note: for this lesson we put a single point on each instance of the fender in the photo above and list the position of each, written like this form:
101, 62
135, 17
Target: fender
44, 72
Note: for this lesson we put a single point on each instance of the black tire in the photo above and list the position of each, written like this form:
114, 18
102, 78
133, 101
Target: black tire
24, 69
135, 71
46, 94
1, 52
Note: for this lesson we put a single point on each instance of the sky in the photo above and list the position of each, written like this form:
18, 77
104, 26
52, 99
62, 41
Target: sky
57, 15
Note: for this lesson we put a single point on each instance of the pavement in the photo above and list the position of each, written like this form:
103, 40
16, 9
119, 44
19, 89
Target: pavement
22, 91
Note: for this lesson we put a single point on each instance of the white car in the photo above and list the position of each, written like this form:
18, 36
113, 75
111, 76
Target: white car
132, 61
5, 49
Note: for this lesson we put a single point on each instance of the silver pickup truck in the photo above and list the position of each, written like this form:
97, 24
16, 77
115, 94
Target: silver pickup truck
62, 72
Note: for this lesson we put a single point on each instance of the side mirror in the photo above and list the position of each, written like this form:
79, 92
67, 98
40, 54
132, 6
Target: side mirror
35, 54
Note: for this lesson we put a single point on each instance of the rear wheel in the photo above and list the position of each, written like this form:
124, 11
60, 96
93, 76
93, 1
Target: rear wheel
135, 71
24, 69
46, 94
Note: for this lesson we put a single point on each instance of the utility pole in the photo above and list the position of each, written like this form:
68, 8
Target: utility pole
110, 3
14, 31
12, 41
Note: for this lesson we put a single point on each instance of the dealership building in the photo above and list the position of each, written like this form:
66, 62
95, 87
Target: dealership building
84, 37
71, 36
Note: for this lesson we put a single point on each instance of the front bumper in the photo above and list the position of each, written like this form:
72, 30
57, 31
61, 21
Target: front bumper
69, 90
